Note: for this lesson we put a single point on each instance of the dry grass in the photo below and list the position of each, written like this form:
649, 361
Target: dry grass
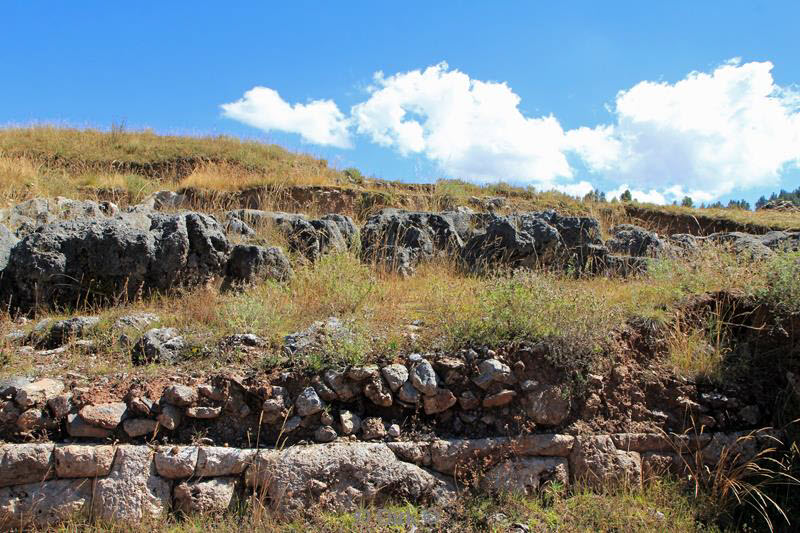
49, 161
454, 309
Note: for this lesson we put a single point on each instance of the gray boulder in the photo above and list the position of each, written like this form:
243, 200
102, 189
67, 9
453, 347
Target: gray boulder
634, 241
98, 261
25, 217
62, 331
320, 337
311, 238
518, 241
399, 240
161, 345
745, 244
250, 263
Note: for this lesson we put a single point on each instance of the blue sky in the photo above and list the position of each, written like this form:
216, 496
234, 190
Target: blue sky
529, 92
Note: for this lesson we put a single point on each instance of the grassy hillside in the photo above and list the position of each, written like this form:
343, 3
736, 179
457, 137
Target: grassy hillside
51, 161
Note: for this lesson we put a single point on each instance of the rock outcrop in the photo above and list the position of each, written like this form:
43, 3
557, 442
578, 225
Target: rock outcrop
84, 260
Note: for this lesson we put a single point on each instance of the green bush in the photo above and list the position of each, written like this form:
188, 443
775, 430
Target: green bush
782, 290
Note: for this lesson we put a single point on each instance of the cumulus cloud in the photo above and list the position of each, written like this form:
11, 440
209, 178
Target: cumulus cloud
704, 136
319, 121
471, 129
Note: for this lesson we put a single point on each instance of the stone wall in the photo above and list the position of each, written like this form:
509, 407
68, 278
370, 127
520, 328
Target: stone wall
43, 484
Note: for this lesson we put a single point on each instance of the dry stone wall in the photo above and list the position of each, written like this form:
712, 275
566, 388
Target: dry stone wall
43, 484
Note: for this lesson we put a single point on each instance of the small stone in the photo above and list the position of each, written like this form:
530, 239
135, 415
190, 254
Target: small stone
137, 321
136, 427
408, 393
423, 377
60, 405
31, 419
377, 392
326, 393
415, 358
360, 373
170, 417
213, 461
350, 422
503, 397
395, 375
279, 392
203, 412
211, 392
105, 415
468, 401
308, 403
528, 385
372, 428
180, 395
9, 412
546, 405
326, 419
325, 434
338, 382
77, 427
38, 392
12, 385
441, 401
493, 371
274, 410
292, 424
141, 405
394, 430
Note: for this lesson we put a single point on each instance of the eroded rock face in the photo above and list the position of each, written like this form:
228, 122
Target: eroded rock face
311, 238
398, 240
99, 260
628, 239
341, 477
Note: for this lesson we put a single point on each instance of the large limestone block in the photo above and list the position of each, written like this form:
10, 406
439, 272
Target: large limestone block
132, 491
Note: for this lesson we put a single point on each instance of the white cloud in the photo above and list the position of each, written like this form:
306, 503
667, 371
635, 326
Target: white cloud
472, 129
704, 136
318, 122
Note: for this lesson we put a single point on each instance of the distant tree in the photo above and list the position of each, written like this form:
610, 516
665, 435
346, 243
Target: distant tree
687, 202
788, 196
739, 204
626, 196
715, 205
595, 195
